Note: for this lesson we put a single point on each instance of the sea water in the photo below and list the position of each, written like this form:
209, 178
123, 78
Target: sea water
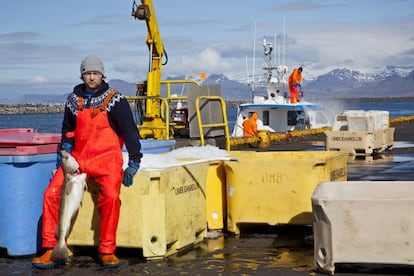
52, 123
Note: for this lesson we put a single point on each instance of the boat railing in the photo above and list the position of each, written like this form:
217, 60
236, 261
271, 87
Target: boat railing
162, 130
169, 83
223, 124
159, 126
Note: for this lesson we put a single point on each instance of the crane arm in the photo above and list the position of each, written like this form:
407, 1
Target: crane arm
146, 12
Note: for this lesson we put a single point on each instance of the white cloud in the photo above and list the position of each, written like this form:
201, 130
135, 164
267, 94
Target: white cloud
39, 79
362, 49
208, 60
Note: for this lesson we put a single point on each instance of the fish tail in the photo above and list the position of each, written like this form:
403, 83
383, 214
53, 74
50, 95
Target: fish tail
60, 251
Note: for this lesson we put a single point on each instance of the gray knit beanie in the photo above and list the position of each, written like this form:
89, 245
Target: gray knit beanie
92, 64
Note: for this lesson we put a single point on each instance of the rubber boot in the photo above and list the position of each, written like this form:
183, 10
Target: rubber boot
109, 260
46, 261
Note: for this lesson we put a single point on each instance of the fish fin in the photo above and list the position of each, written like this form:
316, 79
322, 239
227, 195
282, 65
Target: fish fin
60, 251
84, 181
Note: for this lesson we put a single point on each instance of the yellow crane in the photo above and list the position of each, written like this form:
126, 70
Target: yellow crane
155, 115
153, 124
157, 121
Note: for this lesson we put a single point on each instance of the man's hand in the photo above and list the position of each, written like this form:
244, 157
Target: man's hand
66, 147
130, 172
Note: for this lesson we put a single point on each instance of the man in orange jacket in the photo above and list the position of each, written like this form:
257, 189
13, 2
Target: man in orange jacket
294, 83
250, 125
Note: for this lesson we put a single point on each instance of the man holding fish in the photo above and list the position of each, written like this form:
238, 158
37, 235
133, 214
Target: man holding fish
96, 124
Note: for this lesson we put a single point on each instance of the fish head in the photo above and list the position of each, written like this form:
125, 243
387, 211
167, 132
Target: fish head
69, 163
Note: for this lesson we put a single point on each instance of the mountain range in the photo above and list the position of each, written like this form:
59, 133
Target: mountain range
391, 81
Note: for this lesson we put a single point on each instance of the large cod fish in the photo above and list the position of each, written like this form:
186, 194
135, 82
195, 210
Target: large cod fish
72, 192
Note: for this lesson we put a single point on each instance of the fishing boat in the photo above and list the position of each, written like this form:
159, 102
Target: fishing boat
275, 111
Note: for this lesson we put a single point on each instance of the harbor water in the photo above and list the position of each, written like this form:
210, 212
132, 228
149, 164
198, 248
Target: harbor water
51, 123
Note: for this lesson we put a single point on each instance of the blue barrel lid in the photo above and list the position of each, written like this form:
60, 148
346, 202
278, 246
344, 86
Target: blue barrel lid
19, 159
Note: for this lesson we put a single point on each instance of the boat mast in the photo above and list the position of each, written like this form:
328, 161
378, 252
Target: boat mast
254, 63
284, 72
269, 66
284, 41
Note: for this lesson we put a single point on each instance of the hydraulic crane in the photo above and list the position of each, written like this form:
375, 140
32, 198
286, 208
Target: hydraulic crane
157, 121
153, 121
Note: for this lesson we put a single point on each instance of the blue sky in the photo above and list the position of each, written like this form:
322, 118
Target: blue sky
42, 42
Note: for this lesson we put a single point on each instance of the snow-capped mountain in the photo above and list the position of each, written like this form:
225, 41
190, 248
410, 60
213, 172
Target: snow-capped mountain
393, 70
391, 81
344, 83
230, 89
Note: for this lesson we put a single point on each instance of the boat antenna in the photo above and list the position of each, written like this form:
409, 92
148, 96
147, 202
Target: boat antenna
247, 71
284, 41
283, 55
254, 62
277, 52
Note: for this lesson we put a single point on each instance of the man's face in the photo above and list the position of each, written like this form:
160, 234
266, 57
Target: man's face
92, 80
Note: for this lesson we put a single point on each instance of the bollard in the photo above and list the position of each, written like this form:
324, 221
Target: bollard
264, 139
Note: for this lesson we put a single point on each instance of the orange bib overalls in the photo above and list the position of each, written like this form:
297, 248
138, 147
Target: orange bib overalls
98, 150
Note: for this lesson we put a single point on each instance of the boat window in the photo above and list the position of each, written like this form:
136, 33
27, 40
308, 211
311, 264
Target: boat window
265, 117
291, 118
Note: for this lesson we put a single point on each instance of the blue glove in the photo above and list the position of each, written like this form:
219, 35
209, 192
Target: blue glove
66, 147
129, 172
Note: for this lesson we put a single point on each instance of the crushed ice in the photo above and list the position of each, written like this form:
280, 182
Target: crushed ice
172, 158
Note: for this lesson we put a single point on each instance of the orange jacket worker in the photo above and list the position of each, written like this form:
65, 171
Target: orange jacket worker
294, 83
250, 125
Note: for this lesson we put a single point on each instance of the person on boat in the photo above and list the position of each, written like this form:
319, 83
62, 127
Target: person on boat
97, 122
250, 125
294, 83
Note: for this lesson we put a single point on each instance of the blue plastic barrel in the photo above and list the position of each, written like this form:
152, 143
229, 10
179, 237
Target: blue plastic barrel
155, 146
23, 180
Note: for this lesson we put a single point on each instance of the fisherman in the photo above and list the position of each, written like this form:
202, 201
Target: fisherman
294, 83
250, 125
97, 122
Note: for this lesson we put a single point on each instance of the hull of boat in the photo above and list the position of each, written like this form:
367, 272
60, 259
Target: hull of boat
276, 117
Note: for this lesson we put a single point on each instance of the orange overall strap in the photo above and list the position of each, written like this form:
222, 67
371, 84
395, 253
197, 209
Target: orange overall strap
80, 103
104, 104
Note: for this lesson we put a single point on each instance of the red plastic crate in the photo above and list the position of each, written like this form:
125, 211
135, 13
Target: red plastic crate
26, 137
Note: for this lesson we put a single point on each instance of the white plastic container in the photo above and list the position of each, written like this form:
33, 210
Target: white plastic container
363, 222
360, 132
380, 119
356, 142
361, 120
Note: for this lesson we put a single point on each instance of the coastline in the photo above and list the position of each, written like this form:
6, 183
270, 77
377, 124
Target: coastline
44, 108
31, 108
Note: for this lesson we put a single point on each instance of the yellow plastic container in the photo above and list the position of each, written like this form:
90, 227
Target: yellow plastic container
162, 212
216, 196
276, 187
